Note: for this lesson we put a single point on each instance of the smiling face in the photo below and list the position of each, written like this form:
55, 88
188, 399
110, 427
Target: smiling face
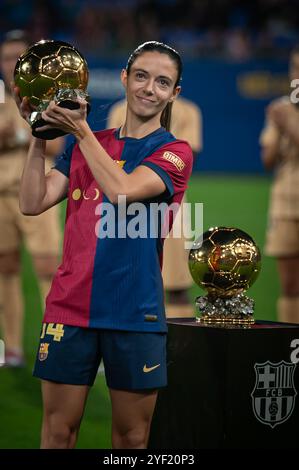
150, 84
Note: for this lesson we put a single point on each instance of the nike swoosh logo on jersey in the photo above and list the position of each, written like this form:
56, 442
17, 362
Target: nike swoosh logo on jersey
149, 369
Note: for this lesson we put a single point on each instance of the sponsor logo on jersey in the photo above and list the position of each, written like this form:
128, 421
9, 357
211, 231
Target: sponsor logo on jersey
175, 160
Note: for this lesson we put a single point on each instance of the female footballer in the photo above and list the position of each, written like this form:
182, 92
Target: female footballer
106, 300
280, 150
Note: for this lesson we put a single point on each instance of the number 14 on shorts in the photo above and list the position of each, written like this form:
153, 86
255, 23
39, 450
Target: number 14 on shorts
52, 329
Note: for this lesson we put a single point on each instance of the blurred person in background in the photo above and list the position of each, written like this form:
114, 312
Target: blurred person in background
186, 124
280, 151
41, 235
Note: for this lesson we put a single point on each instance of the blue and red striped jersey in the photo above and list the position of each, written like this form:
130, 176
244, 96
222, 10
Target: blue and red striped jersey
115, 282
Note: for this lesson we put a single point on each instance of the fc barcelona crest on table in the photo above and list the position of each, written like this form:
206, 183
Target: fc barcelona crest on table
274, 394
43, 351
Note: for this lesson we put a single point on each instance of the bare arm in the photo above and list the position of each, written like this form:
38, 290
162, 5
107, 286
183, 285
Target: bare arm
38, 191
55, 147
142, 183
117, 115
291, 125
269, 157
284, 118
270, 151
270, 140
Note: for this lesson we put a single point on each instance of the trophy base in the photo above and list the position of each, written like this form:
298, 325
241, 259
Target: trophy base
236, 310
227, 323
49, 134
65, 99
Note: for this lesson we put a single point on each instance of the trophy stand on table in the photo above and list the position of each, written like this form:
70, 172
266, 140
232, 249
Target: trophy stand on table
225, 262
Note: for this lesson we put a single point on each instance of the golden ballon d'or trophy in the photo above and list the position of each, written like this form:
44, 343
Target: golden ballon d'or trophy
51, 70
225, 262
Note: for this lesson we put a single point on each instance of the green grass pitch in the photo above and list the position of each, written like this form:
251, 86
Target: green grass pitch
238, 201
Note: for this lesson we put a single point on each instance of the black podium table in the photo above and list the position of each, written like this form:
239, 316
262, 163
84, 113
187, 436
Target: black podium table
229, 388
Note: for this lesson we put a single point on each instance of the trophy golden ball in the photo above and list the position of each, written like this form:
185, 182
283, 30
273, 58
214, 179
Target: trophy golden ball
49, 66
225, 261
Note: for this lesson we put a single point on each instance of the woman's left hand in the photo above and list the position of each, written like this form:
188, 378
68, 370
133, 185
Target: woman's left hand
71, 121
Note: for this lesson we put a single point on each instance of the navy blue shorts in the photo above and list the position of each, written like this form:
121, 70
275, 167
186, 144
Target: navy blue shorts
72, 355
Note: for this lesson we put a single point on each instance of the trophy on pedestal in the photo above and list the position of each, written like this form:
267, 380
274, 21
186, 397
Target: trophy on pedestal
225, 262
51, 70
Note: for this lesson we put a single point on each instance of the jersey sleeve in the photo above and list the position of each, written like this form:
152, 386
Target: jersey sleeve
63, 162
173, 163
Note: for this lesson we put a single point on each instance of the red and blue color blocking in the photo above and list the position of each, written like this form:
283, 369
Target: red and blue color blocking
114, 283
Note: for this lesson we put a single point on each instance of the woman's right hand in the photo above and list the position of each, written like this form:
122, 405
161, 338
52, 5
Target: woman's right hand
23, 105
